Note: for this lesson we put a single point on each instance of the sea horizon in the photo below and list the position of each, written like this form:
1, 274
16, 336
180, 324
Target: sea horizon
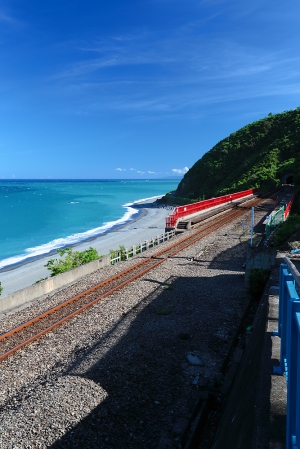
40, 216
172, 178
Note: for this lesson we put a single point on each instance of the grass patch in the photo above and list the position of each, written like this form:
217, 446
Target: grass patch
258, 278
40, 280
287, 229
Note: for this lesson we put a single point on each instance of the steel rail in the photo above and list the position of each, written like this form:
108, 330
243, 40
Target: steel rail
171, 251
101, 284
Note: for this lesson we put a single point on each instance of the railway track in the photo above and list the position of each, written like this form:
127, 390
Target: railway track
22, 335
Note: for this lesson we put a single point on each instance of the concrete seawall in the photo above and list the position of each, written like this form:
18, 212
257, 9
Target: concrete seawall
28, 294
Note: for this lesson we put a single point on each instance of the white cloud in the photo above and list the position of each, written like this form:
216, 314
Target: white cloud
6, 18
180, 171
140, 172
196, 70
9, 19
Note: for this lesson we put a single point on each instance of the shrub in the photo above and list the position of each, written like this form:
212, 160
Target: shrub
123, 252
70, 260
114, 252
258, 278
1, 288
287, 229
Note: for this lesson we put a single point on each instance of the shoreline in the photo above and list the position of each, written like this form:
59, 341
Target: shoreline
146, 224
137, 206
52, 252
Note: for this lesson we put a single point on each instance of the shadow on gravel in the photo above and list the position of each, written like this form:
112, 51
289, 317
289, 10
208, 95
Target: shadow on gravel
152, 389
232, 259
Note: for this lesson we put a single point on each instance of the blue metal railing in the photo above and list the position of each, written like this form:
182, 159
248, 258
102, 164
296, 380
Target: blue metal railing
289, 332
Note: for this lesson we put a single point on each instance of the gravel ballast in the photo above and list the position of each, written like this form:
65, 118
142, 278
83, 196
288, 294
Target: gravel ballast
127, 371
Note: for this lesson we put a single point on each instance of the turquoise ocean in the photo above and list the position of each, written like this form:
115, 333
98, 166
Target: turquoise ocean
39, 216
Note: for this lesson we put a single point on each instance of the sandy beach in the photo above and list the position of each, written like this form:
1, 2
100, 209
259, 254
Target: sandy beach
149, 223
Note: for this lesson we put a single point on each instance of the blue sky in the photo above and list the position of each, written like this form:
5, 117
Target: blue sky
137, 88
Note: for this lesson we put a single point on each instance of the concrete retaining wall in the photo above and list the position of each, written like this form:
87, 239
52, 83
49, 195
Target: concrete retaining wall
261, 257
28, 294
237, 425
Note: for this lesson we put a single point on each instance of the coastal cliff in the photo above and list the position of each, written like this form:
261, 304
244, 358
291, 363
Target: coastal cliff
261, 155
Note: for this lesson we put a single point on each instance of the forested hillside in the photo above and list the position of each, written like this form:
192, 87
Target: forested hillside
257, 155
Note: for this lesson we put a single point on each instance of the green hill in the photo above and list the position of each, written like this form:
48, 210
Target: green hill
257, 155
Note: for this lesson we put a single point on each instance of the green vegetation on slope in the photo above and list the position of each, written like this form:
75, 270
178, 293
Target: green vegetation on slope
257, 155
287, 229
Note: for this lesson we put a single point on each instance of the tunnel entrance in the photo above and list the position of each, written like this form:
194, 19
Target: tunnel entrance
288, 178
